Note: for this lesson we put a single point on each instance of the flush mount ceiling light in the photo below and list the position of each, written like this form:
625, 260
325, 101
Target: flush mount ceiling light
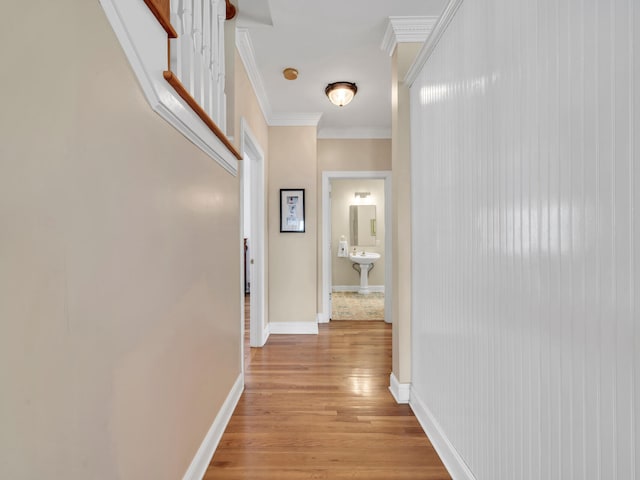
341, 93
290, 73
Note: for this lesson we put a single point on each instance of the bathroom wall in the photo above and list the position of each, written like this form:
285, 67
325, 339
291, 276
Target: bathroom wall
526, 251
342, 196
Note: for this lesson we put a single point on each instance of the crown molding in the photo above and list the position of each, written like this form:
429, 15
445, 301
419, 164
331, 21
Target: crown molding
294, 119
248, 57
354, 133
406, 30
434, 37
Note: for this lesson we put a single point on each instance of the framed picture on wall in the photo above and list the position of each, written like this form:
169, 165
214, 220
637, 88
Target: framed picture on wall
292, 209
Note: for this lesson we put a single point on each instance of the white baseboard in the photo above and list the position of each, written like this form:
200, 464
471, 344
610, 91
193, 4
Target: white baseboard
293, 328
400, 391
450, 457
355, 288
266, 331
322, 318
208, 446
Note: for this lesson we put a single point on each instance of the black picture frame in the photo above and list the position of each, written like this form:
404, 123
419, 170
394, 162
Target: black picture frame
292, 210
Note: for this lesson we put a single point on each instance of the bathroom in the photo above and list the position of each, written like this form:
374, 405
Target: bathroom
357, 223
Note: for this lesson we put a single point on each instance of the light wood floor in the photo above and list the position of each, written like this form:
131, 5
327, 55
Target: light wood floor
318, 407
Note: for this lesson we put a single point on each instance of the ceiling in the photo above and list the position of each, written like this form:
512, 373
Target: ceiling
328, 41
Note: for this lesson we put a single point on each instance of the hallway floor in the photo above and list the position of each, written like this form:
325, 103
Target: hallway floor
318, 407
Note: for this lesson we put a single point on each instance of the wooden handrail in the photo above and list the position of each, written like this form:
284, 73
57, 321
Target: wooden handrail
161, 9
186, 96
231, 10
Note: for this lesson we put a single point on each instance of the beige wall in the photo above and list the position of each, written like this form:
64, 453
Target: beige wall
353, 154
119, 254
292, 256
401, 212
342, 197
346, 155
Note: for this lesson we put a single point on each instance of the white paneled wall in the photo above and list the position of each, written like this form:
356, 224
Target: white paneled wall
526, 239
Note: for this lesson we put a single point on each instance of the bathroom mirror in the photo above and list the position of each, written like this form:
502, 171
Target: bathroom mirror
362, 225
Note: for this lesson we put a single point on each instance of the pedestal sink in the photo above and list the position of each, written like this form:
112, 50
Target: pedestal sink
366, 261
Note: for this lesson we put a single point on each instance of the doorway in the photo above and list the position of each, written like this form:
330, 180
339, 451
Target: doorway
252, 227
330, 239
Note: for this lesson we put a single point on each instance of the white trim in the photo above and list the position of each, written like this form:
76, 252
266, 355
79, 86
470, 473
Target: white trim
252, 152
434, 37
450, 457
294, 119
247, 55
293, 328
322, 318
248, 140
326, 235
266, 331
203, 456
242, 266
401, 391
354, 133
356, 288
144, 43
406, 30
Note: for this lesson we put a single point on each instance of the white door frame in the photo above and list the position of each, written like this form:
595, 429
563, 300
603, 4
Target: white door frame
326, 238
251, 151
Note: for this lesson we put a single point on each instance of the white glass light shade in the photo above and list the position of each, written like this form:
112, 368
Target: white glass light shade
341, 93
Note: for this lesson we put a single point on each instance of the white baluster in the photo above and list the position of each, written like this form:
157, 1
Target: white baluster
197, 55
176, 22
203, 58
187, 46
206, 53
213, 60
197, 52
221, 102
